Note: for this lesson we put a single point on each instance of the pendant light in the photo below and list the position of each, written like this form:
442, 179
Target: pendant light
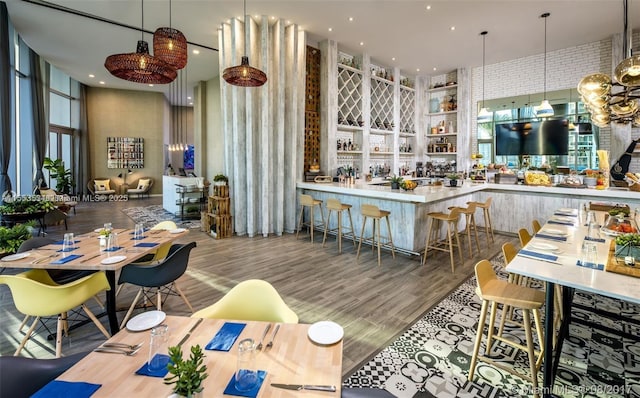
140, 67
244, 75
170, 45
545, 109
484, 115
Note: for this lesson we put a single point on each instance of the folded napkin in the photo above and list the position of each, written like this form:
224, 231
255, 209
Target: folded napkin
64, 389
160, 372
60, 242
552, 237
231, 387
560, 222
70, 249
226, 336
113, 249
564, 214
599, 267
66, 259
600, 240
145, 244
541, 256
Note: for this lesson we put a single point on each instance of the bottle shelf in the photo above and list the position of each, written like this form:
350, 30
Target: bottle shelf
442, 113
443, 88
442, 135
349, 68
346, 127
381, 132
349, 153
442, 153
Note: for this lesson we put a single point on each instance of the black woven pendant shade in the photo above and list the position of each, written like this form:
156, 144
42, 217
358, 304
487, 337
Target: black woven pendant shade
244, 75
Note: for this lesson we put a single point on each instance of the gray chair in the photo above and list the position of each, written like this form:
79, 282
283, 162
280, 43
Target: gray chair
160, 277
59, 276
91, 186
141, 189
22, 377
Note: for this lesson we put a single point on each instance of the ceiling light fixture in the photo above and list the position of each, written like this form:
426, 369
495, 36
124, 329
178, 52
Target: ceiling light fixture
484, 115
244, 75
170, 45
544, 109
621, 106
140, 67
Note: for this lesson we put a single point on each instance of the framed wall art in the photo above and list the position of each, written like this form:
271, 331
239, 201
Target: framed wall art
125, 153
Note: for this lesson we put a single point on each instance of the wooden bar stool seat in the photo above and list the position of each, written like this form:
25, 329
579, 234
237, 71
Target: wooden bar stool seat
376, 215
339, 208
495, 291
311, 203
486, 212
433, 241
469, 225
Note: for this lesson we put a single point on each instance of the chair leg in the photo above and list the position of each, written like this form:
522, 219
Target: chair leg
467, 230
538, 322
476, 345
130, 311
393, 254
158, 299
449, 232
27, 336
530, 351
326, 227
59, 326
100, 303
96, 321
487, 224
24, 322
353, 231
377, 224
459, 248
492, 324
339, 229
475, 230
364, 222
428, 242
311, 222
184, 298
300, 221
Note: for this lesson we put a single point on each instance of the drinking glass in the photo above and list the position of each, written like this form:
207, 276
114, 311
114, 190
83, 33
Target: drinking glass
112, 241
67, 243
246, 371
138, 232
108, 226
158, 344
589, 254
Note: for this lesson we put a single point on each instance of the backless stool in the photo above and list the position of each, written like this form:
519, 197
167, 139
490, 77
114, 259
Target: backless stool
375, 214
486, 212
470, 224
433, 237
311, 203
335, 205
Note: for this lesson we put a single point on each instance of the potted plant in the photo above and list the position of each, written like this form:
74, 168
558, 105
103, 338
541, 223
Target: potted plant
220, 179
186, 375
12, 237
62, 176
395, 182
453, 179
628, 245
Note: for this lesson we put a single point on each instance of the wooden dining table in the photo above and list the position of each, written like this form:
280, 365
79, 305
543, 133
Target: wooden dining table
293, 359
565, 271
92, 258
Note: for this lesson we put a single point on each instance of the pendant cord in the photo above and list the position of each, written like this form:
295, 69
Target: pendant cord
484, 37
142, 24
170, 26
545, 15
246, 27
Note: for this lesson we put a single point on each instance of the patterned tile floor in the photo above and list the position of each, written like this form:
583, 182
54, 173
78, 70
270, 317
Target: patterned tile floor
431, 359
151, 215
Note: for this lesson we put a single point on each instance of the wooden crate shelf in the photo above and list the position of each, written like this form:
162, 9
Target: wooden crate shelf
221, 191
219, 206
219, 226
217, 220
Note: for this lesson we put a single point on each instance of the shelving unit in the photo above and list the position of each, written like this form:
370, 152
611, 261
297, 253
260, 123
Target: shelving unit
218, 217
350, 116
442, 122
188, 196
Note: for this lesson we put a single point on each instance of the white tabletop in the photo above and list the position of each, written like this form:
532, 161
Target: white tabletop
566, 272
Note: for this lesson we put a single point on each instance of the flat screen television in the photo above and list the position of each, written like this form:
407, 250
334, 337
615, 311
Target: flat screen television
548, 137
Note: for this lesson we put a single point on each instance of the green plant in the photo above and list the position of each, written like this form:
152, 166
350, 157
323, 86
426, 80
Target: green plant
192, 209
19, 205
453, 176
12, 237
628, 240
396, 179
220, 177
187, 375
62, 176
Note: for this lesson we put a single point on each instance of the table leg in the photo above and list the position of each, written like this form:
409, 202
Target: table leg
547, 383
567, 300
111, 302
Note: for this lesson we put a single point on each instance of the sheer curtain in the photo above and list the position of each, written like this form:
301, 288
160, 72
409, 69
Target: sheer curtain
6, 102
81, 145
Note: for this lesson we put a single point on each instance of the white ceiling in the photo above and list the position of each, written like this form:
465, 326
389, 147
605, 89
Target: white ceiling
404, 29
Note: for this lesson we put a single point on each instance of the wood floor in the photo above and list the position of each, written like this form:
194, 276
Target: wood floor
373, 304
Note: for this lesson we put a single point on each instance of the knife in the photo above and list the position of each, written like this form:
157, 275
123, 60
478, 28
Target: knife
299, 387
186, 336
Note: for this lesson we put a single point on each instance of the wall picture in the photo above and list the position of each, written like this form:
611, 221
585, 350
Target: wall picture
125, 153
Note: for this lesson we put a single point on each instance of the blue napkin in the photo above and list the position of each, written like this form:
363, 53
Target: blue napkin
231, 387
113, 249
599, 267
160, 372
60, 242
542, 256
64, 389
600, 240
560, 222
552, 237
67, 259
226, 336
70, 249
145, 244
560, 213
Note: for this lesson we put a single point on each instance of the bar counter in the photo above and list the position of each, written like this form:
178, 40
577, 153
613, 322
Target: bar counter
513, 206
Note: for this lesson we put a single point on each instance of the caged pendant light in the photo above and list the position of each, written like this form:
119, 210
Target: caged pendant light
170, 45
544, 109
140, 67
244, 75
484, 115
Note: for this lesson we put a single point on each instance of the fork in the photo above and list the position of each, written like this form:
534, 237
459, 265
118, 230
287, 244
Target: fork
129, 346
266, 330
117, 351
43, 259
270, 343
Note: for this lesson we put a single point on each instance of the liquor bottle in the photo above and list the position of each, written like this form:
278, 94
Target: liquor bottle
339, 144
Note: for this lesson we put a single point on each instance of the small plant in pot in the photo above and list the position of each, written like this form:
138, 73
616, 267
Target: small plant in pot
395, 182
220, 179
186, 375
453, 179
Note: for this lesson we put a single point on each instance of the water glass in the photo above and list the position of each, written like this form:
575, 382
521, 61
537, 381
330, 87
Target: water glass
158, 344
108, 226
589, 254
138, 232
246, 372
112, 241
67, 243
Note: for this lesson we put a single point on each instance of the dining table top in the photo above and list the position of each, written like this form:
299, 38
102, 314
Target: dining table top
564, 270
293, 359
90, 255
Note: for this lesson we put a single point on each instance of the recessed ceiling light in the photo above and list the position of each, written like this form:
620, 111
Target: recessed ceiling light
453, 28
350, 19
330, 29
188, 98
273, 18
362, 43
101, 82
196, 52
393, 59
91, 75
434, 68
418, 70
428, 7
288, 22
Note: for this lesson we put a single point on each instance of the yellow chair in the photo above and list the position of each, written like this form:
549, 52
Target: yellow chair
524, 236
36, 294
250, 300
536, 226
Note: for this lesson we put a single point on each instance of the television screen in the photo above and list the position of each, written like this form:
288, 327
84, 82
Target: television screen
549, 137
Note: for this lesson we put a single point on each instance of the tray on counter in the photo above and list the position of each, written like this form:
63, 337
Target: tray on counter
618, 266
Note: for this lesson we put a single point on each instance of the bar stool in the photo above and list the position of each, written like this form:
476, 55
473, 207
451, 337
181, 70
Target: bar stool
494, 291
311, 203
335, 205
433, 236
536, 226
375, 214
469, 223
488, 226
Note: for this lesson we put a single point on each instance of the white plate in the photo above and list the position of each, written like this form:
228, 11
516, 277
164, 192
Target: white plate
566, 210
563, 219
555, 232
145, 321
325, 332
113, 260
14, 257
543, 246
177, 230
